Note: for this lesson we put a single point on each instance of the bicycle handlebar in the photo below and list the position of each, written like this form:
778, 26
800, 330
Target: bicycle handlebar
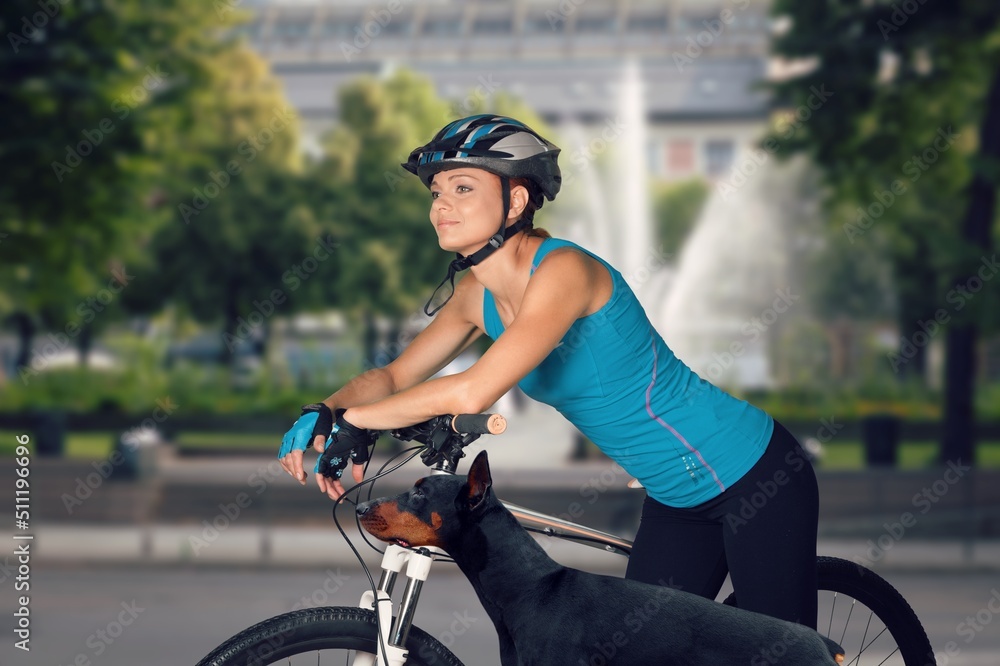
480, 424
444, 437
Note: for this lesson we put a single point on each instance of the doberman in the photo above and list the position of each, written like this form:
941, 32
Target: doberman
548, 614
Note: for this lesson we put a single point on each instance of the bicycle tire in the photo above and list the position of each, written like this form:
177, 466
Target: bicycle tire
311, 629
845, 577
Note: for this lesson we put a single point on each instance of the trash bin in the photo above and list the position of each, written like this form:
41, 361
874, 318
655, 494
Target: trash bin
139, 449
880, 435
49, 430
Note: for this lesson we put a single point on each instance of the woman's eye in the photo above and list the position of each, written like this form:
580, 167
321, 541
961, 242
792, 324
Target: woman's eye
464, 188
435, 195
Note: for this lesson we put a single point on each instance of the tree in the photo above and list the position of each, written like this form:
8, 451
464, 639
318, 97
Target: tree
89, 95
675, 208
242, 244
391, 259
846, 284
901, 108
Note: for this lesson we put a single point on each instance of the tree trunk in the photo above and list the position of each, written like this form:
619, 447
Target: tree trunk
84, 343
840, 338
917, 365
230, 341
25, 334
960, 378
370, 341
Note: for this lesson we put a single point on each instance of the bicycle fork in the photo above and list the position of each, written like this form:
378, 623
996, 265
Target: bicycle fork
393, 635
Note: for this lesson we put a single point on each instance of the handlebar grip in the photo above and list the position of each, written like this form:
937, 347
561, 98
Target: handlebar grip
479, 424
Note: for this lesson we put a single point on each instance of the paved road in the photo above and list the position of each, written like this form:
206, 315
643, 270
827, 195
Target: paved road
173, 616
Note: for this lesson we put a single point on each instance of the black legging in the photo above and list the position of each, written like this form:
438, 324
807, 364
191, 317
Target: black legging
761, 530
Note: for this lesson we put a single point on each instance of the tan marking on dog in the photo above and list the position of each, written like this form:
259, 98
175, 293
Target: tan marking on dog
386, 522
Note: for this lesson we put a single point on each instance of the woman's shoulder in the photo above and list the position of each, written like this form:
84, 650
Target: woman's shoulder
574, 266
565, 257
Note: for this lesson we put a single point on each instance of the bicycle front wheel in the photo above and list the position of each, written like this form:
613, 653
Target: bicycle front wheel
321, 636
867, 617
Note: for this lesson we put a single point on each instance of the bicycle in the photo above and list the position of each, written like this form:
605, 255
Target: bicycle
890, 633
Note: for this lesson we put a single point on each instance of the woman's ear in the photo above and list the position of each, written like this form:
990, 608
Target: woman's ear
518, 200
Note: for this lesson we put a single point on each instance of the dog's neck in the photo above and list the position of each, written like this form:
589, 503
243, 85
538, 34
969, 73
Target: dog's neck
497, 550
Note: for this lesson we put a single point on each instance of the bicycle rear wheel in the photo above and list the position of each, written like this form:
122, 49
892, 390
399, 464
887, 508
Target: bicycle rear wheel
867, 617
332, 635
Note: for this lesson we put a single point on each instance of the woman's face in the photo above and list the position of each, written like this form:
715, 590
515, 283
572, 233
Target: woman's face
465, 208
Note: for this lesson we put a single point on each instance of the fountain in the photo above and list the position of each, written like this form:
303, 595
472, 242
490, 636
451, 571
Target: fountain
616, 219
732, 290
720, 303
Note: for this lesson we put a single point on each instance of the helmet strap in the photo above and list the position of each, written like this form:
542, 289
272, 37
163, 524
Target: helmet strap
460, 263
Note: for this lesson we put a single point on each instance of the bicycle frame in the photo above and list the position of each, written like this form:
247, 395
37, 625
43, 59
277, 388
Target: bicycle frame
417, 563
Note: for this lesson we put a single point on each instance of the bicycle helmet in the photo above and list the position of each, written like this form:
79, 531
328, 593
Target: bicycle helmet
503, 146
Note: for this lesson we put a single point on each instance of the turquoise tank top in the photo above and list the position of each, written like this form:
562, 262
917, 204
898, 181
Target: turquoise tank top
615, 379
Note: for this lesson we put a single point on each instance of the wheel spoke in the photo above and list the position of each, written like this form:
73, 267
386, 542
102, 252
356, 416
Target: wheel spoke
832, 609
847, 622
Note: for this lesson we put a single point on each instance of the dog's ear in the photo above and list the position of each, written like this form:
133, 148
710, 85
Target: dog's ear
479, 482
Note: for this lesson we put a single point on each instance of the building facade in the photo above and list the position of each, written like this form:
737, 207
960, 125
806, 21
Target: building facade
699, 62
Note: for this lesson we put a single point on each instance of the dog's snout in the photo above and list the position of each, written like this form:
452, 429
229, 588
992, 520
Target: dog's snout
363, 508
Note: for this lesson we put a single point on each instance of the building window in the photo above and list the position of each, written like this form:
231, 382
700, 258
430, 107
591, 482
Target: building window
443, 26
292, 29
398, 25
596, 24
719, 155
341, 27
680, 156
654, 23
542, 24
492, 26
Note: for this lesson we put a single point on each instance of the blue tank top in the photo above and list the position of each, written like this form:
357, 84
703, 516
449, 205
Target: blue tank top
615, 379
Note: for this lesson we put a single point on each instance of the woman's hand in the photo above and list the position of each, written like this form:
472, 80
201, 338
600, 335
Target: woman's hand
347, 442
312, 428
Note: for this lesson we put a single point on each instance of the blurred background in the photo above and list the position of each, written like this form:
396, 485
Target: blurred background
205, 226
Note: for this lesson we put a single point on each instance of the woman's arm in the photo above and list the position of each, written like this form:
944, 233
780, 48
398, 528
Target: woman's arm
451, 332
447, 336
561, 290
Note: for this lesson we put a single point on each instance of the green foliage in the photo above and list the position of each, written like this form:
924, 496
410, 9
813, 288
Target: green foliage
676, 207
850, 281
90, 97
897, 138
390, 259
903, 108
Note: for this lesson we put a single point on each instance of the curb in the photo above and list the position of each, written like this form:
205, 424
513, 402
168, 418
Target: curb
255, 546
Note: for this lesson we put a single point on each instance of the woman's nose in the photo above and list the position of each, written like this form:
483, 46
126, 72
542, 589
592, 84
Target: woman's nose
440, 203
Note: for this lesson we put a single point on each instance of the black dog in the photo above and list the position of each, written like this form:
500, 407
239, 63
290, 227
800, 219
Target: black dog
548, 614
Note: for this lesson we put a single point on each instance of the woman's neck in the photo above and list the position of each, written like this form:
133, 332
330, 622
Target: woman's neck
505, 272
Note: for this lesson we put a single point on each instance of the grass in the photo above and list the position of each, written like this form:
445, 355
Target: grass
838, 455
847, 455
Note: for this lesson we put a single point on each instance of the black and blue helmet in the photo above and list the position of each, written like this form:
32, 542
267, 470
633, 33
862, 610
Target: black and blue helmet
503, 146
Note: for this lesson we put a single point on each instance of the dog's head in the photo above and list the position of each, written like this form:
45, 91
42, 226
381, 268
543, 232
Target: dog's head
433, 511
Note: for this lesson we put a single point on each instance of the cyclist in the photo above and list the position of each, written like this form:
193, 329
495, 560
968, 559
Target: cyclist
728, 489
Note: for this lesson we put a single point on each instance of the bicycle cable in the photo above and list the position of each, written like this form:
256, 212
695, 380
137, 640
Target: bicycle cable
414, 452
347, 539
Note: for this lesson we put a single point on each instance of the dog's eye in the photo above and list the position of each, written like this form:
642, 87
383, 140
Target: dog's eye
416, 493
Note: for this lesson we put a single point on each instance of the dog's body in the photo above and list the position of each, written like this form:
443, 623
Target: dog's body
547, 614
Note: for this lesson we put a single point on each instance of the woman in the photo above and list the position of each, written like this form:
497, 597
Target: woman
728, 489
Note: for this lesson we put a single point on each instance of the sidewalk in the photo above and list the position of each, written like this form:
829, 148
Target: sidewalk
201, 545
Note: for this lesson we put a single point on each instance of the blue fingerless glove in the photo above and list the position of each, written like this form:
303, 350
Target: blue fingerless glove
316, 419
347, 442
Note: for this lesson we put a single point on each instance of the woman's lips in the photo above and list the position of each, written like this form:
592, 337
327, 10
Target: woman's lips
446, 223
